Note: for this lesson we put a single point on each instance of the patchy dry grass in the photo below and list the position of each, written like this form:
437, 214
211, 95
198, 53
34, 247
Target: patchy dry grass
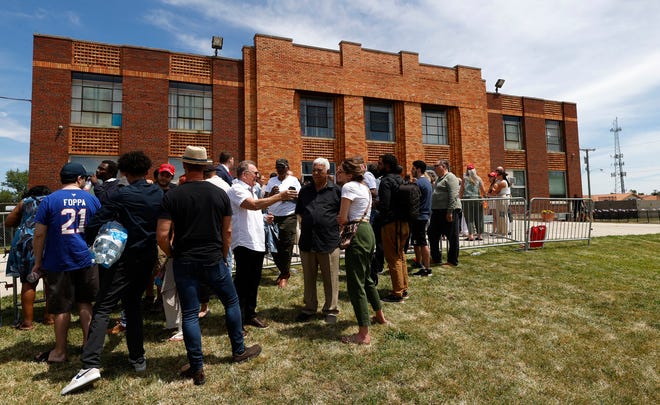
567, 323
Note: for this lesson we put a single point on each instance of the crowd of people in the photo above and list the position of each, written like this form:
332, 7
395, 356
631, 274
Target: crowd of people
185, 239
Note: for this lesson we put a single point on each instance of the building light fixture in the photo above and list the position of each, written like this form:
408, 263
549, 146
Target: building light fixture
498, 85
216, 43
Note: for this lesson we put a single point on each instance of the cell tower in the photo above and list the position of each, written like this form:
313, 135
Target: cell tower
618, 173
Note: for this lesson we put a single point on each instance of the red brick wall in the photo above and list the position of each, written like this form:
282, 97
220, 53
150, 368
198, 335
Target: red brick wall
535, 159
573, 164
51, 107
354, 74
146, 74
256, 106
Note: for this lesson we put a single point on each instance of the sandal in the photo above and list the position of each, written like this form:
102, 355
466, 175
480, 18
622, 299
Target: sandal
375, 321
23, 326
43, 358
354, 340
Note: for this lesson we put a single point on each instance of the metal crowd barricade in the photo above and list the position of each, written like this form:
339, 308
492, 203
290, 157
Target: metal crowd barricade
492, 222
564, 219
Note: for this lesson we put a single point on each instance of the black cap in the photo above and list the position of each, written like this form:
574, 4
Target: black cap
281, 162
72, 170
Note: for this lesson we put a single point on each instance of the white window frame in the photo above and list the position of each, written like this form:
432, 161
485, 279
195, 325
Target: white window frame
553, 135
190, 107
96, 100
374, 132
308, 126
557, 186
513, 139
434, 127
518, 181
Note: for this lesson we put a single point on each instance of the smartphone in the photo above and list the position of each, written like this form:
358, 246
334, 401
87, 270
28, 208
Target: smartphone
292, 188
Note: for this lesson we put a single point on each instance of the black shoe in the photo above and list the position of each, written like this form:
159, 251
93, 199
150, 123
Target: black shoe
304, 317
250, 352
423, 273
392, 298
197, 376
405, 295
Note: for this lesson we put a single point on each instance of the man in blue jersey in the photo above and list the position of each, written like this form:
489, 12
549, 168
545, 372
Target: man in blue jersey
136, 207
61, 252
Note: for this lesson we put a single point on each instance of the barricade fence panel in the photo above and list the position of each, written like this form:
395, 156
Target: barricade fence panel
563, 219
492, 221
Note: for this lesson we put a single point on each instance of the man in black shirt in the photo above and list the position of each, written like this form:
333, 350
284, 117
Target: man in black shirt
200, 215
109, 185
136, 207
317, 208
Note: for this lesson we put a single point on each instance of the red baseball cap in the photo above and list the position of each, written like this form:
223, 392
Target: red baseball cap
470, 166
166, 167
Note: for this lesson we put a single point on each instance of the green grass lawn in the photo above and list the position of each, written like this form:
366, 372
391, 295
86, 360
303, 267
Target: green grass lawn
566, 323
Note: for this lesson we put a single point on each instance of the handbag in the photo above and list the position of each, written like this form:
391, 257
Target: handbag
349, 229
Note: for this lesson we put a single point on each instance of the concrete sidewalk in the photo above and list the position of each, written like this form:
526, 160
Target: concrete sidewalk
623, 228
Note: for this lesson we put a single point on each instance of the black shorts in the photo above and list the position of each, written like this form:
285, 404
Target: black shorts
418, 232
66, 288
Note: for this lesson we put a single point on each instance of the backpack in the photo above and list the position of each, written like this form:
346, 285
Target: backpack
21, 255
406, 202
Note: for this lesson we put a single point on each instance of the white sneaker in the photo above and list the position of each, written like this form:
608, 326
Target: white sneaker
85, 376
139, 365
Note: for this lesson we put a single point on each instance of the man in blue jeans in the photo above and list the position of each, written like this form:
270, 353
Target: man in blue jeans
199, 213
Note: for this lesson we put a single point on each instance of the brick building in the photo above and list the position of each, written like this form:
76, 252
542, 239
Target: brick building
94, 101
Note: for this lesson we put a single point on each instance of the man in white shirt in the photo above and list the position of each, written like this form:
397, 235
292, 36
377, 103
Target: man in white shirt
285, 218
248, 239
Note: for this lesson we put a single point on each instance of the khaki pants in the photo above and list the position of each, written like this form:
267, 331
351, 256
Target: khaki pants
394, 236
328, 263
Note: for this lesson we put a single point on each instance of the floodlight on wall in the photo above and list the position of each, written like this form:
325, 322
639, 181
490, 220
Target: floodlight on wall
498, 85
216, 43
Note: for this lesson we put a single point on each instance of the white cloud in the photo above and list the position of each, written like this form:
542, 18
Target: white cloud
13, 129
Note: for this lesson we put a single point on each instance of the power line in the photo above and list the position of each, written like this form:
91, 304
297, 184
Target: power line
16, 99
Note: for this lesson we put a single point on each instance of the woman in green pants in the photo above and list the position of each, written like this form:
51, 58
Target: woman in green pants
356, 207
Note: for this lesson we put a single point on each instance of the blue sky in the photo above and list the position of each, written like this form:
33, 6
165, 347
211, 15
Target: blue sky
602, 54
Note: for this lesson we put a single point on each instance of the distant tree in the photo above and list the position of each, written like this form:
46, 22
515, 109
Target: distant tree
16, 180
655, 192
7, 196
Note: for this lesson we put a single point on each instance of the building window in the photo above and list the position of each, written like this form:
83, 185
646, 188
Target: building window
512, 133
90, 163
317, 117
190, 107
96, 100
518, 181
557, 182
308, 165
379, 121
434, 127
553, 136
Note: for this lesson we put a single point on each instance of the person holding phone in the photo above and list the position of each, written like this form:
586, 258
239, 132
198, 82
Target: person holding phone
285, 219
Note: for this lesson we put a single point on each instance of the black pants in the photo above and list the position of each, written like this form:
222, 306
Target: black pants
248, 276
438, 227
378, 258
125, 280
286, 239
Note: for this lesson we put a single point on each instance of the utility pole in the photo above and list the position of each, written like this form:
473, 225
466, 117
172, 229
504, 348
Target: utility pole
618, 173
586, 162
